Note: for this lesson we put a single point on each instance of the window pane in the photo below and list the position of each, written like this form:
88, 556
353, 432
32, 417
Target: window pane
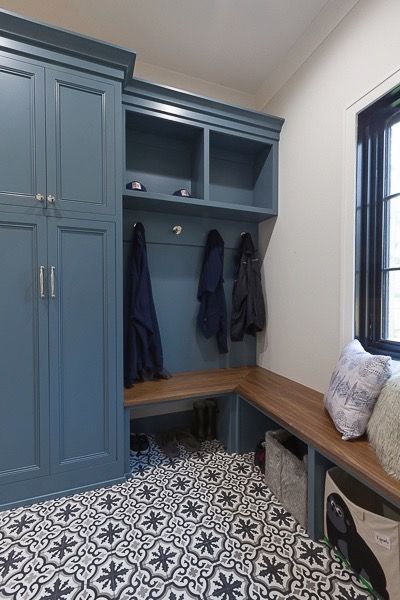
393, 160
392, 233
392, 294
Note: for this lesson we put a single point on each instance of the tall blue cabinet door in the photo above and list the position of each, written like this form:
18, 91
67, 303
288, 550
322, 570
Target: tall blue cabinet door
82, 336
22, 133
80, 143
24, 421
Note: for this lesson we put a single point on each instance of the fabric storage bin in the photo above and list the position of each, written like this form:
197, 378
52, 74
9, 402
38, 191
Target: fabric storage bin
286, 472
365, 529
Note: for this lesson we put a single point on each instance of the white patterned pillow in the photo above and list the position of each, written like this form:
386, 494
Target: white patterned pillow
354, 388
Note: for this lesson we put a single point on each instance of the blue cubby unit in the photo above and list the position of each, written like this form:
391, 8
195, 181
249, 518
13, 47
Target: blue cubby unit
165, 155
225, 155
242, 172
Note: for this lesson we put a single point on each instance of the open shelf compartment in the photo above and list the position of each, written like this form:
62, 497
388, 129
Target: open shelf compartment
164, 155
241, 171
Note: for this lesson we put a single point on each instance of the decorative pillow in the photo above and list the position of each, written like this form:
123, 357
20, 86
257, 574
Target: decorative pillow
354, 388
384, 427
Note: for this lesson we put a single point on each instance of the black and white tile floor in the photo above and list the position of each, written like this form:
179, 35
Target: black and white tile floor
204, 527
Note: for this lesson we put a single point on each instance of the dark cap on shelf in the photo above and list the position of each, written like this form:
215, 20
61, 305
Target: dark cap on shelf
136, 185
183, 193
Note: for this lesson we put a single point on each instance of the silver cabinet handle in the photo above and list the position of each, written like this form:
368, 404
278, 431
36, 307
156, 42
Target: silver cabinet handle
52, 282
40, 197
51, 199
41, 282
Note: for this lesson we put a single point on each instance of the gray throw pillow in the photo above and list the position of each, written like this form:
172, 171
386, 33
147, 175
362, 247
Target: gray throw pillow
384, 427
354, 388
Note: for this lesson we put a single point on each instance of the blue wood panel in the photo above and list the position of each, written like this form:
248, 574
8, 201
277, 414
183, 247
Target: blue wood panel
164, 155
22, 147
317, 468
82, 343
195, 207
24, 358
240, 170
167, 101
252, 426
80, 143
175, 264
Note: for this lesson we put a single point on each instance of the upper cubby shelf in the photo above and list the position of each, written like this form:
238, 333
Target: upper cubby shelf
164, 155
226, 157
240, 171
166, 203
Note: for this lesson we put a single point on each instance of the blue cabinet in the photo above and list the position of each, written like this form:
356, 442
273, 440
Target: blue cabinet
61, 405
80, 143
82, 307
24, 405
22, 133
60, 396
57, 132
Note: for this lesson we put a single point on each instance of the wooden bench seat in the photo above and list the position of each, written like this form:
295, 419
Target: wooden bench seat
292, 405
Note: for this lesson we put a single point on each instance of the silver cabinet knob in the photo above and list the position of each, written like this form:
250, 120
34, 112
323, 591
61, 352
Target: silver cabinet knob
51, 199
39, 197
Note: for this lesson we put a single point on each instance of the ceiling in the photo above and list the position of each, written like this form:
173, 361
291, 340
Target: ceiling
234, 43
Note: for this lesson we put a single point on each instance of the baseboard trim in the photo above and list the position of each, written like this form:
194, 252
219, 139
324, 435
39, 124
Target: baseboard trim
62, 493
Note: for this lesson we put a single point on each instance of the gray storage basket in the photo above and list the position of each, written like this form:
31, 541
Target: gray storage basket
286, 475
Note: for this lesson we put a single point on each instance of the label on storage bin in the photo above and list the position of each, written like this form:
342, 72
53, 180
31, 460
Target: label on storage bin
383, 540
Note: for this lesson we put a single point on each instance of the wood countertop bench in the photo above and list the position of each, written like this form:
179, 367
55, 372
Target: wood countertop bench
292, 405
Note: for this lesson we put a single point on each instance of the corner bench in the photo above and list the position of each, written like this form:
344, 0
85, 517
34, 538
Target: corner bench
284, 403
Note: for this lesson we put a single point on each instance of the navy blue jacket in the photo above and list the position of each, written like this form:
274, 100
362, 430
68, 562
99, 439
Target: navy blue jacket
143, 351
212, 318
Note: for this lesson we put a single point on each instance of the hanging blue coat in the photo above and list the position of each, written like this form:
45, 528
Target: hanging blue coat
143, 351
212, 317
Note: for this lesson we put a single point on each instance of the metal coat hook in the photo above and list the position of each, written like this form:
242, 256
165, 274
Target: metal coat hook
243, 233
177, 229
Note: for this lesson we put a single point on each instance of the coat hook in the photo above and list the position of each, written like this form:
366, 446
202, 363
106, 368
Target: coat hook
243, 233
177, 229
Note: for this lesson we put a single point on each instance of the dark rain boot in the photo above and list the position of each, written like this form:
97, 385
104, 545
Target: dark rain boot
211, 411
199, 412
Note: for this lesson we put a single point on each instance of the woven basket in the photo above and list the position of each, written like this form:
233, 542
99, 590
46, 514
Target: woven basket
286, 475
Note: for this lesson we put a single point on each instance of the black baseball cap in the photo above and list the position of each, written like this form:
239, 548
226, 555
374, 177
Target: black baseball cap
136, 185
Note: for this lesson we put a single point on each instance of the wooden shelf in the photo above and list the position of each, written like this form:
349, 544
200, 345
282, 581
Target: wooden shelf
295, 407
165, 203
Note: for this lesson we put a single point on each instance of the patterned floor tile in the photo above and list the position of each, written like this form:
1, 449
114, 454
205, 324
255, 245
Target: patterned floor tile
201, 527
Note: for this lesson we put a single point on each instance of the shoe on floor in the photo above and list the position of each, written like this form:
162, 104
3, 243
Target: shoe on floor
188, 441
140, 443
166, 441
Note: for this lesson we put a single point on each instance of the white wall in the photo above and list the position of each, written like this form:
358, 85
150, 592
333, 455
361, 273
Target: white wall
302, 265
194, 85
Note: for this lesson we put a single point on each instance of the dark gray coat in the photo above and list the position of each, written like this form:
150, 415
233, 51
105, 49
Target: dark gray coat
248, 307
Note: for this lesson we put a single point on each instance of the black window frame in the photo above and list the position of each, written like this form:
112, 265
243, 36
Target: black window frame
371, 204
